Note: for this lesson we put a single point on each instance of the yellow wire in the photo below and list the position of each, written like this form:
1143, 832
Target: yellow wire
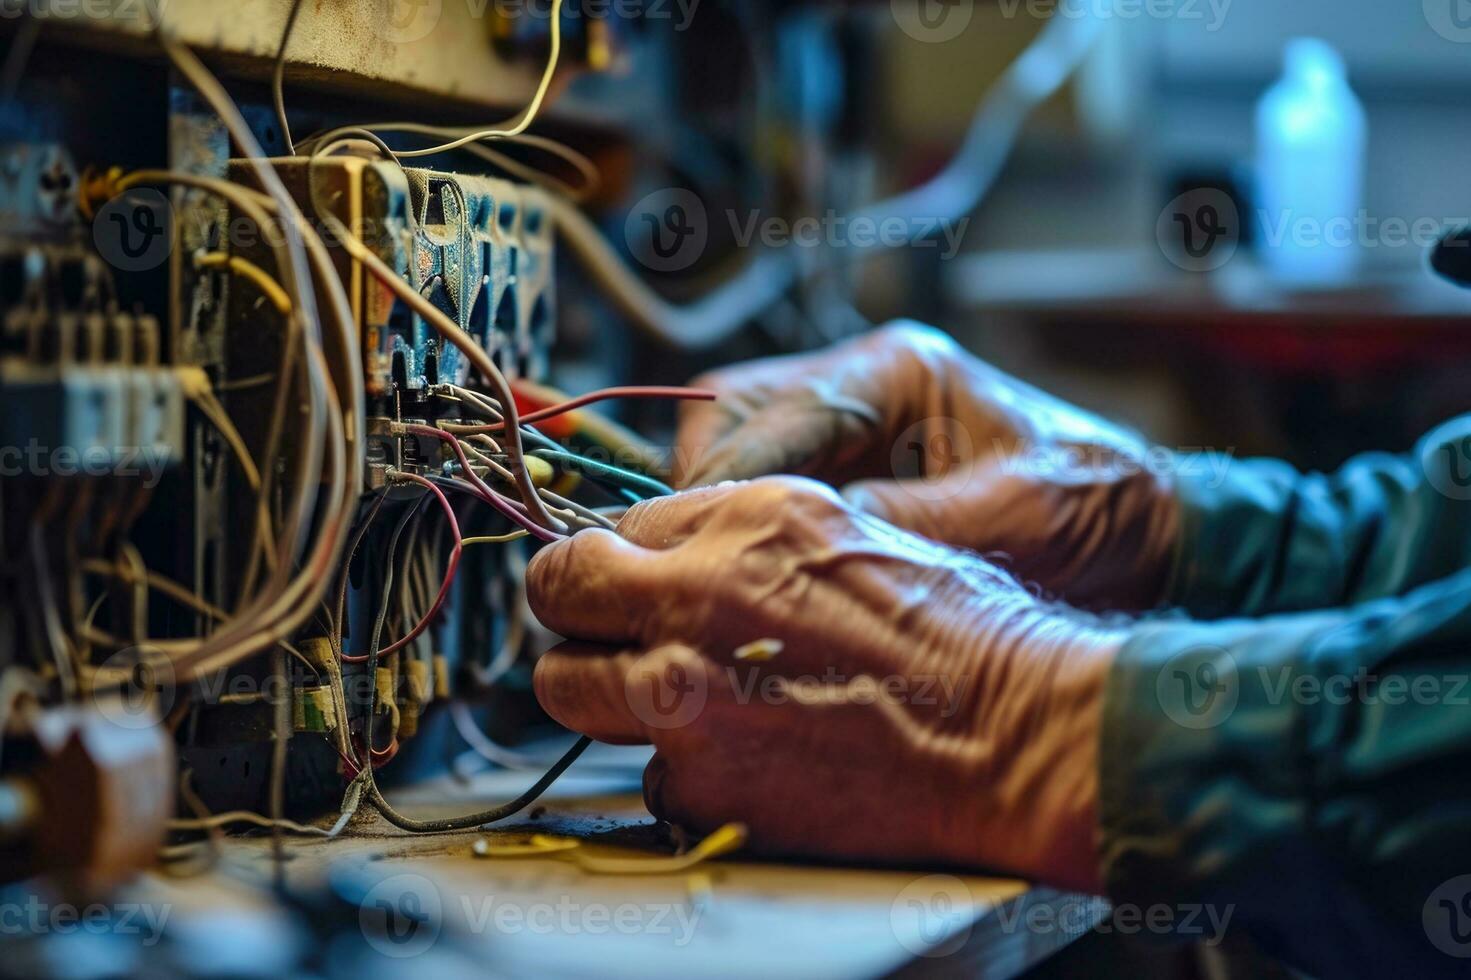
722, 841
248, 270
531, 110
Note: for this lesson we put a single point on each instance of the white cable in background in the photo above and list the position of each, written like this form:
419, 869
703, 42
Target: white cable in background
1030, 80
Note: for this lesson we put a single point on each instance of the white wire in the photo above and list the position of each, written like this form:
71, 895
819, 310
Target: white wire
956, 191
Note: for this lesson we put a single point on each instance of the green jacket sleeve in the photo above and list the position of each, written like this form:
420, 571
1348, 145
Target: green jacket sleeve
1260, 537
1306, 777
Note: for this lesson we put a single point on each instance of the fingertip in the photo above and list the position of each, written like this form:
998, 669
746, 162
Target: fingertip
564, 575
655, 775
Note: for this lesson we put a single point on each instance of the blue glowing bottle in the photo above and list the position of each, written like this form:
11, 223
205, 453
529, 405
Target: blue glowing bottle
1311, 143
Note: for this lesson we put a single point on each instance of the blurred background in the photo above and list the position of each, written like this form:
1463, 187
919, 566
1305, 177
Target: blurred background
1066, 278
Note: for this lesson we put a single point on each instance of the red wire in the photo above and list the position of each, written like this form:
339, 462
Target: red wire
479, 486
602, 394
377, 758
449, 570
449, 577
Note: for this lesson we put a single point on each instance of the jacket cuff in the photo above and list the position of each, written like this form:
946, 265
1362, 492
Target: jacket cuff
1202, 759
1252, 542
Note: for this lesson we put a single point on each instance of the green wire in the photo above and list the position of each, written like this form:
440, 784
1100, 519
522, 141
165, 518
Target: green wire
598, 472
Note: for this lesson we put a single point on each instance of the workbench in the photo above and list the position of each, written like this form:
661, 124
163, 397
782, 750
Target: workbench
377, 901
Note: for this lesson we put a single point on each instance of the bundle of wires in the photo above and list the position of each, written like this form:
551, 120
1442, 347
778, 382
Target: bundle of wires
293, 551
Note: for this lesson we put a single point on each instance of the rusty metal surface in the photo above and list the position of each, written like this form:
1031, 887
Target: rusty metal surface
435, 47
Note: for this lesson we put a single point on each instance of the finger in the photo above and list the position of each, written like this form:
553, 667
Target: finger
664, 522
957, 510
582, 687
750, 451
702, 426
624, 696
726, 769
592, 586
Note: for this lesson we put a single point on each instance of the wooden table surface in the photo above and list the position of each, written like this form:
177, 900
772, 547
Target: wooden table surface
427, 904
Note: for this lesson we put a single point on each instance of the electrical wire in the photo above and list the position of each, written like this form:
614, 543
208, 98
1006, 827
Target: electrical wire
488, 408
528, 116
366, 773
246, 816
474, 136
246, 269
601, 472
201, 656
478, 486
484, 817
587, 170
278, 78
449, 575
473, 351
333, 429
506, 538
591, 397
450, 568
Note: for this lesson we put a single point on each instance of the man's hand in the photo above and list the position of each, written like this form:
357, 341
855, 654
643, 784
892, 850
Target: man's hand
947, 446
842, 687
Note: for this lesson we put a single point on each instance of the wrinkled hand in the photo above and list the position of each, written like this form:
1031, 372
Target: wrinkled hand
945, 445
844, 688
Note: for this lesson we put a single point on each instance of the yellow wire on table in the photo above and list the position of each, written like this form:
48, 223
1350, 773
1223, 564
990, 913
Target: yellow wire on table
728, 838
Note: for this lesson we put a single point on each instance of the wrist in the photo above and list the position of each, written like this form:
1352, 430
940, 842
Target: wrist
1043, 803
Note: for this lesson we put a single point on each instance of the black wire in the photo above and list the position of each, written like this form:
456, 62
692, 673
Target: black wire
374, 796
278, 78
486, 816
376, 643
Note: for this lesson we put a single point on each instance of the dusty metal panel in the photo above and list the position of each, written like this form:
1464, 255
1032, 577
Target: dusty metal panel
438, 47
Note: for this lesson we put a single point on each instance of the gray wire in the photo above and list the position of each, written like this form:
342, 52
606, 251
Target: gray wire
278, 78
1029, 81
